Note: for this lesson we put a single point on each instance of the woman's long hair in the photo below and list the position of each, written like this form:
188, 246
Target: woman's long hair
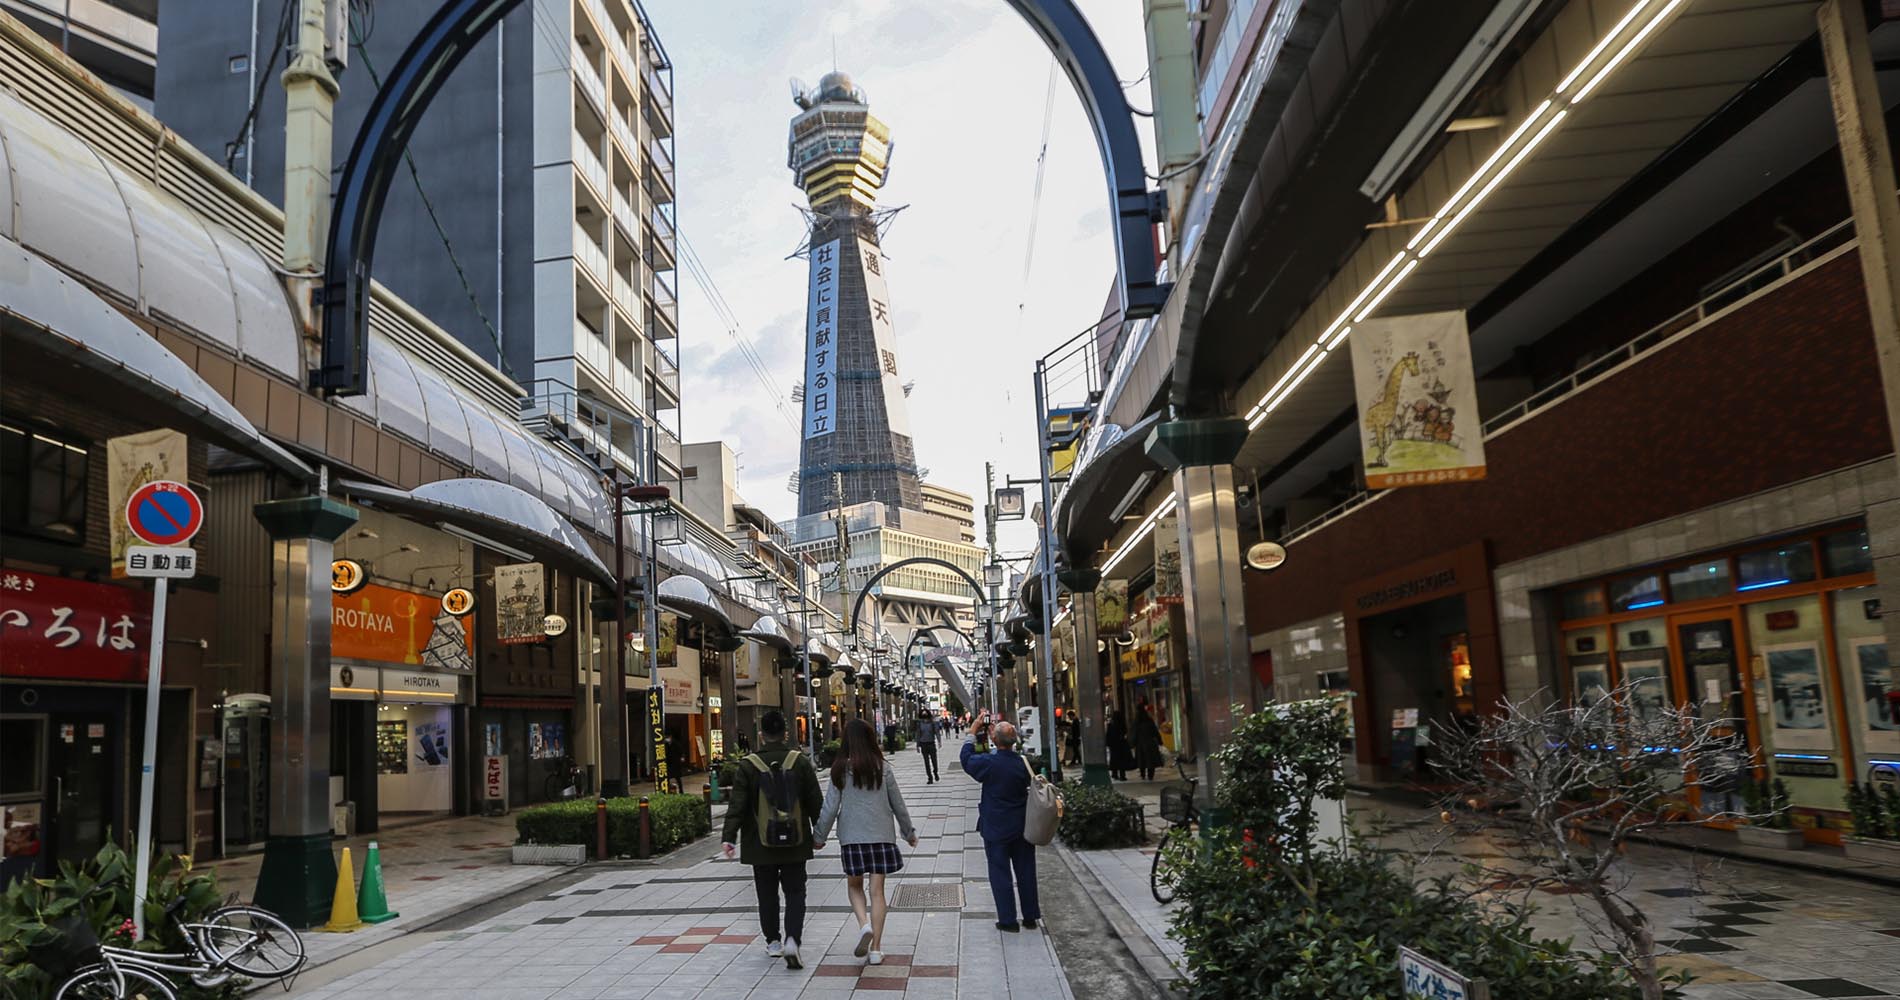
860, 757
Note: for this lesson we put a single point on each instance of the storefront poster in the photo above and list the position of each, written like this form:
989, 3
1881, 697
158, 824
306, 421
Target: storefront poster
1649, 686
1418, 400
547, 740
682, 682
22, 833
450, 645
1879, 712
520, 603
668, 652
132, 461
1592, 683
387, 625
1799, 700
392, 746
1111, 607
491, 739
1167, 589
432, 744
59, 628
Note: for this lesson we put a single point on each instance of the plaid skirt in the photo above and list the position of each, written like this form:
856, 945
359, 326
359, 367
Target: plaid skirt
872, 859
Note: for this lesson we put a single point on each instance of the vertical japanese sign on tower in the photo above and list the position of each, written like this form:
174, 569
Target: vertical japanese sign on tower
821, 342
884, 335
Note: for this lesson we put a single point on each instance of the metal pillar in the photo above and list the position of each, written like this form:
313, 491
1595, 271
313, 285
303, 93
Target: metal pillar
1865, 154
1089, 710
298, 873
613, 675
1051, 749
729, 699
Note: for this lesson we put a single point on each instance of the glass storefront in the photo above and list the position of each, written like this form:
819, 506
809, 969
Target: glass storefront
1783, 639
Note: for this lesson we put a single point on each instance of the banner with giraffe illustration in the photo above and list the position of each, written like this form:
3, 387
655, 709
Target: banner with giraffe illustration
1418, 400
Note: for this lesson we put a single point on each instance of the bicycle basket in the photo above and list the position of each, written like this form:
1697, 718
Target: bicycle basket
1176, 801
76, 945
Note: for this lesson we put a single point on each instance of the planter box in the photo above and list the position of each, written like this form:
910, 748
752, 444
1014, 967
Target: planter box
1880, 852
549, 854
1761, 836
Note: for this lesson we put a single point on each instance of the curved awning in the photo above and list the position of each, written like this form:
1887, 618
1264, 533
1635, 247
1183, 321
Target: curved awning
767, 631
56, 320
818, 652
690, 596
508, 514
1115, 468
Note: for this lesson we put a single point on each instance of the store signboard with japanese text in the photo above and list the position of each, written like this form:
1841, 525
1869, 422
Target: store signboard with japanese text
133, 461
520, 604
1167, 589
821, 342
59, 628
884, 335
1418, 400
386, 625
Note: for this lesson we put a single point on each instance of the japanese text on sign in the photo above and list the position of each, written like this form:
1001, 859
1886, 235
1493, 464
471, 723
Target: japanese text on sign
821, 354
51, 626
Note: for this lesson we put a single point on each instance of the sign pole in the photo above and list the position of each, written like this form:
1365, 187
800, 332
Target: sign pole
154, 666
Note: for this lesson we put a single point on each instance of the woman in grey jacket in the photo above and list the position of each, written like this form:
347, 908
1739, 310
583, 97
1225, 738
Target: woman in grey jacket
865, 803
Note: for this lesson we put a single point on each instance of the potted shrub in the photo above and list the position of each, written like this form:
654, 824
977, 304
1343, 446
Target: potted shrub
1769, 800
1876, 817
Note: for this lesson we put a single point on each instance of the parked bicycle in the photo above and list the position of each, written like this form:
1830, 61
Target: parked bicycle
565, 780
1177, 807
231, 941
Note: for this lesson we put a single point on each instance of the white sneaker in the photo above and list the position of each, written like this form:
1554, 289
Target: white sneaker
791, 954
876, 958
774, 949
864, 941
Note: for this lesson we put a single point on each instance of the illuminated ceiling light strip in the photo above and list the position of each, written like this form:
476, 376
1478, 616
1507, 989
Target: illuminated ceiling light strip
1340, 320
1479, 198
1624, 53
1147, 525
1387, 290
1275, 402
1284, 378
1339, 338
1600, 46
1484, 169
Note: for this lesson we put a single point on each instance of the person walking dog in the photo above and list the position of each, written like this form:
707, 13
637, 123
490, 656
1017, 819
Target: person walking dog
868, 808
775, 800
927, 729
1005, 777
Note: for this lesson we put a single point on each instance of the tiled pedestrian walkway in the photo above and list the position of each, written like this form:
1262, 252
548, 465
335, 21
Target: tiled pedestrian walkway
691, 930
1744, 930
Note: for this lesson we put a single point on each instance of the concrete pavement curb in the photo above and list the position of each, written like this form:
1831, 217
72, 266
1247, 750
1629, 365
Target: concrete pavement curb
1153, 963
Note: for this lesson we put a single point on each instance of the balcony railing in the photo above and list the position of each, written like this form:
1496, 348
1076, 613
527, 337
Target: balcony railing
589, 165
666, 371
623, 214
588, 78
619, 47
658, 89
624, 135
591, 256
665, 239
626, 383
624, 295
662, 160
591, 348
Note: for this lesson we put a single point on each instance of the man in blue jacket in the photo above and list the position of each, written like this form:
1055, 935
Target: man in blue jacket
1005, 777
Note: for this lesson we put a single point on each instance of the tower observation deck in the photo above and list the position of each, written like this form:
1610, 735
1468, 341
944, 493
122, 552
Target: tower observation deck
856, 423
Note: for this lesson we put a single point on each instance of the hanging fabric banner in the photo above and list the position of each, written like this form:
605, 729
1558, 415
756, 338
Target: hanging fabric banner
1168, 560
1418, 400
520, 604
131, 462
1111, 607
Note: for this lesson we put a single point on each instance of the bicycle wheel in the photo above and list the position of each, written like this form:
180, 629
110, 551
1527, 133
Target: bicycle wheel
103, 982
1161, 874
251, 942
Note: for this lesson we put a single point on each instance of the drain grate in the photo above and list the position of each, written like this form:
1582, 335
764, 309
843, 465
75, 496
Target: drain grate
930, 897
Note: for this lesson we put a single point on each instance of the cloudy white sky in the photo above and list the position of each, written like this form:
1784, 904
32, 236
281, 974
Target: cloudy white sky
962, 84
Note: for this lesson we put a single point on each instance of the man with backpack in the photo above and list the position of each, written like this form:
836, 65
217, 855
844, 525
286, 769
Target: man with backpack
926, 731
775, 802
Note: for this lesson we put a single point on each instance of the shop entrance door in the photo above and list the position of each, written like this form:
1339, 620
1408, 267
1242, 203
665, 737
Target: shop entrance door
1711, 658
80, 769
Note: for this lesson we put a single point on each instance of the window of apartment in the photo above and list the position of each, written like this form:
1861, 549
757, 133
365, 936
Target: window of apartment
1792, 562
689, 472
1846, 552
1704, 579
42, 485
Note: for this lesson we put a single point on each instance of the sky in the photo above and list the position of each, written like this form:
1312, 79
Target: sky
963, 85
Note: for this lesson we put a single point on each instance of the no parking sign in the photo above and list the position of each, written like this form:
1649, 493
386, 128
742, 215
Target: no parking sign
164, 515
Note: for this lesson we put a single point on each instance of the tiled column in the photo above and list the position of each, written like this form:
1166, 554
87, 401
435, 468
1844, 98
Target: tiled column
1088, 675
298, 874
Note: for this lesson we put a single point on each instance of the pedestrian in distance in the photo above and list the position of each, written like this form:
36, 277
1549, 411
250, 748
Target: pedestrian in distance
1005, 777
865, 803
1147, 743
775, 802
1121, 755
926, 731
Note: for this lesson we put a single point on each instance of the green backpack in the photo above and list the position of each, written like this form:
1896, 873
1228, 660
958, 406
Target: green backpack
780, 816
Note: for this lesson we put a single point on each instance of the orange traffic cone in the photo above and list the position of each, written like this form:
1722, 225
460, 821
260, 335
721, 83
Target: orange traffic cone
343, 916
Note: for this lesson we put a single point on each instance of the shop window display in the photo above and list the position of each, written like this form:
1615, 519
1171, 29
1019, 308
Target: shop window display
1783, 564
1587, 651
1636, 592
1642, 654
1702, 580
1794, 700
1867, 676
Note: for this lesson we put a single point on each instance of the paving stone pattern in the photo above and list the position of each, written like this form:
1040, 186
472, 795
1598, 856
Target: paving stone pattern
693, 931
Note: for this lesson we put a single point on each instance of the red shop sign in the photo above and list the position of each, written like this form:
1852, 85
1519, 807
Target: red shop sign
61, 629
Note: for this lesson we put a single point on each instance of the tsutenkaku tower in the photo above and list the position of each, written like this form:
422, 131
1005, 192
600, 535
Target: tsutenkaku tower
855, 420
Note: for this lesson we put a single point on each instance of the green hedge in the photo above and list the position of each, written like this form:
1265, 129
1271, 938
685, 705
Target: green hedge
677, 820
1094, 818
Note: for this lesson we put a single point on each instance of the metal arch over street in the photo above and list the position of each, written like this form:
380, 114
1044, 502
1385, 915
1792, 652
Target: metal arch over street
857, 606
458, 26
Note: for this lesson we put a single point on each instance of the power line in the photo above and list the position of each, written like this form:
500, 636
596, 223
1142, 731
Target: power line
1035, 199
695, 268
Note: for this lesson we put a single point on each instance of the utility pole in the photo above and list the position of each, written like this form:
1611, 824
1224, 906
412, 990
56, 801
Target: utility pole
844, 597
